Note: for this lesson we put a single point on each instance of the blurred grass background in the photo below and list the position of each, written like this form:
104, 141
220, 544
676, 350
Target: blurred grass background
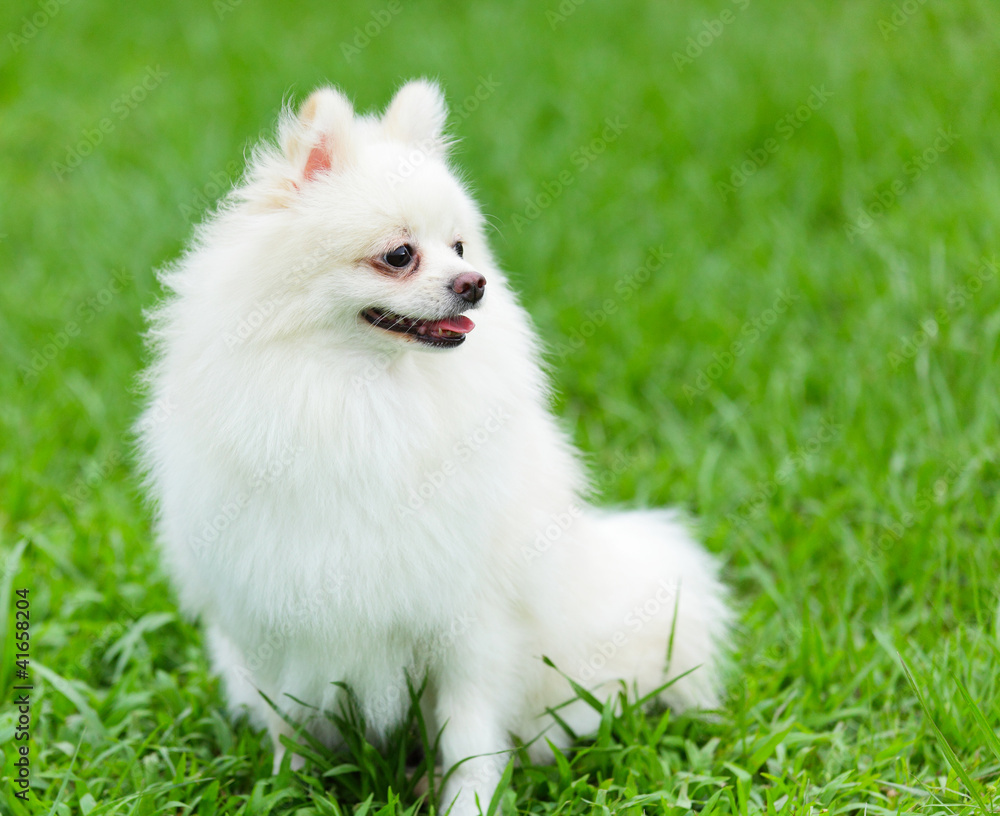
822, 181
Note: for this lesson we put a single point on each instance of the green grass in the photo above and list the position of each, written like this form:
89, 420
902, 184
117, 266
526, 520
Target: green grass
843, 459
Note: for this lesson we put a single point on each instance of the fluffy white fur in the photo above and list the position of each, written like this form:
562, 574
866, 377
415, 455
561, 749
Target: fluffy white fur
338, 503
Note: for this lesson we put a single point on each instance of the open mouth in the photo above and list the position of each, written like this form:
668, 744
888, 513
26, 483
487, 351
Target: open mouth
446, 332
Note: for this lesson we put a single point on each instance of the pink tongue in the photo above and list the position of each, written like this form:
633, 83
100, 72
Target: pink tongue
460, 324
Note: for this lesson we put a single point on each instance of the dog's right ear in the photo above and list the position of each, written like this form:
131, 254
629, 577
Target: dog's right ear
417, 115
320, 139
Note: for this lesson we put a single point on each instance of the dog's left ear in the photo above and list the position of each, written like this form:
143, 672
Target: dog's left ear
319, 140
418, 114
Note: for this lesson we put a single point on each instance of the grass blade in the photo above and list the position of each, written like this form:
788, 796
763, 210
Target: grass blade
949, 752
991, 738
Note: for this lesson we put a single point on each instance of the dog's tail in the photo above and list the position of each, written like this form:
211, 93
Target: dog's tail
639, 601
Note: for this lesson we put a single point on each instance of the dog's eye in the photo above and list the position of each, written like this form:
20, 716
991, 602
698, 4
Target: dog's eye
459, 249
399, 257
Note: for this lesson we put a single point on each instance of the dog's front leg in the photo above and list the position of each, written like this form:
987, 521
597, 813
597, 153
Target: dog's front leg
474, 749
473, 686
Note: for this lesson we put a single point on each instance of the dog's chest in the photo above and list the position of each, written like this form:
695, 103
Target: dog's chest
381, 529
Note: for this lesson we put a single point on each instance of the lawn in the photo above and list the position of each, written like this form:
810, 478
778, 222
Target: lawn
760, 241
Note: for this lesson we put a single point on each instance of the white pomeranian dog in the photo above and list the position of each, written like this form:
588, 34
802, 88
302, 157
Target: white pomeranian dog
355, 482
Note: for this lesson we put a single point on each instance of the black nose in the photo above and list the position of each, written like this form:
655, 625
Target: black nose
469, 286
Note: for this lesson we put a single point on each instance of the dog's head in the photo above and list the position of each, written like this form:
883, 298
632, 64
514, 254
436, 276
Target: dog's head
369, 235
